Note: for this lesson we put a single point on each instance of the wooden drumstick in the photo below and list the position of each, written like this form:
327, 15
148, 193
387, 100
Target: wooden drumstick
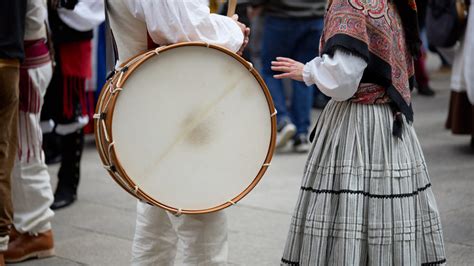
232, 8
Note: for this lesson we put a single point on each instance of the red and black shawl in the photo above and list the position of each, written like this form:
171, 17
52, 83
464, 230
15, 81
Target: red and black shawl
385, 34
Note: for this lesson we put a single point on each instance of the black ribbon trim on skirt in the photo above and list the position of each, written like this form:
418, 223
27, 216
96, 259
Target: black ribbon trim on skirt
293, 263
434, 263
423, 264
366, 194
377, 72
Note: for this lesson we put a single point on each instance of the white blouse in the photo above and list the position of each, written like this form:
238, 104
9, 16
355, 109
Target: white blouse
86, 15
175, 21
337, 77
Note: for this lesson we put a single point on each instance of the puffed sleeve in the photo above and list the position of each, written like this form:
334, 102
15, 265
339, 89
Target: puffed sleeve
86, 15
174, 21
338, 77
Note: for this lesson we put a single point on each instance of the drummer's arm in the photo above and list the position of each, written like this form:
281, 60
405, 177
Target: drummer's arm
174, 21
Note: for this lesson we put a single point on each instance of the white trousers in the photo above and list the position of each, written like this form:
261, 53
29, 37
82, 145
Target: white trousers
157, 233
32, 195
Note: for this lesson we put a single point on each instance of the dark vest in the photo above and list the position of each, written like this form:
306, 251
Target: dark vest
12, 28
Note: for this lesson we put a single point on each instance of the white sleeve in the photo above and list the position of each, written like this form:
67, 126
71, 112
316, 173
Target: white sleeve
85, 16
337, 77
36, 15
174, 21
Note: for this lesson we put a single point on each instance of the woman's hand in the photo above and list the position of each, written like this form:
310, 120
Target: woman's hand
291, 69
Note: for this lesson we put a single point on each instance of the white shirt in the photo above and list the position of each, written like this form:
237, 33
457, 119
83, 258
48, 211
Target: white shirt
169, 22
35, 22
337, 77
86, 15
175, 21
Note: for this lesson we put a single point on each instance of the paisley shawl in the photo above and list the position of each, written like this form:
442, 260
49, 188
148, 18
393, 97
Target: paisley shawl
385, 34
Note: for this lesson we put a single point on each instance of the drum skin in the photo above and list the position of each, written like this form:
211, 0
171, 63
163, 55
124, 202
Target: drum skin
189, 127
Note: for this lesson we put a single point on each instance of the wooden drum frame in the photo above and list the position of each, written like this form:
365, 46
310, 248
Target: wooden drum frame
105, 139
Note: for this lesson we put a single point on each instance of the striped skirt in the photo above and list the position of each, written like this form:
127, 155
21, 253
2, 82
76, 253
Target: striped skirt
366, 195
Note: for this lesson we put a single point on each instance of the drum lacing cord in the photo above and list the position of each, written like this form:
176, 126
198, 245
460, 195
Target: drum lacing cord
250, 66
135, 190
157, 51
103, 106
232, 202
133, 61
179, 212
110, 168
267, 165
119, 81
116, 90
274, 113
104, 129
111, 145
100, 117
208, 45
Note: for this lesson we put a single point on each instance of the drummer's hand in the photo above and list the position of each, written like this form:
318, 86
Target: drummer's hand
245, 31
291, 69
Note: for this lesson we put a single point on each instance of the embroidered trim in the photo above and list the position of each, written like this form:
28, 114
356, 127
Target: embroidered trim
375, 9
347, 191
36, 54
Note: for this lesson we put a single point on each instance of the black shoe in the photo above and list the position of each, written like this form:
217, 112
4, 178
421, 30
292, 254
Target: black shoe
285, 131
301, 144
426, 91
63, 200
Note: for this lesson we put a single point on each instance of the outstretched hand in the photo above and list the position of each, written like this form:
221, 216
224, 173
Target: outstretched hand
291, 69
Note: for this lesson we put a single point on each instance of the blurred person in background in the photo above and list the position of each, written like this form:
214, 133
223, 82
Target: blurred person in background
31, 235
12, 26
292, 28
421, 74
65, 112
461, 109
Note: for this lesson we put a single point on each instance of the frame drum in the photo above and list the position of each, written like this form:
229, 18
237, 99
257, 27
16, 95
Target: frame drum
190, 127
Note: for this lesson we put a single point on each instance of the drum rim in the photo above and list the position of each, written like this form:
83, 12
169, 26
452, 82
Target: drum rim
119, 174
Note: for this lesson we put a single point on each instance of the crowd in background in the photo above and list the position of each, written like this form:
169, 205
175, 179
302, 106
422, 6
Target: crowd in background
47, 58
277, 32
63, 67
